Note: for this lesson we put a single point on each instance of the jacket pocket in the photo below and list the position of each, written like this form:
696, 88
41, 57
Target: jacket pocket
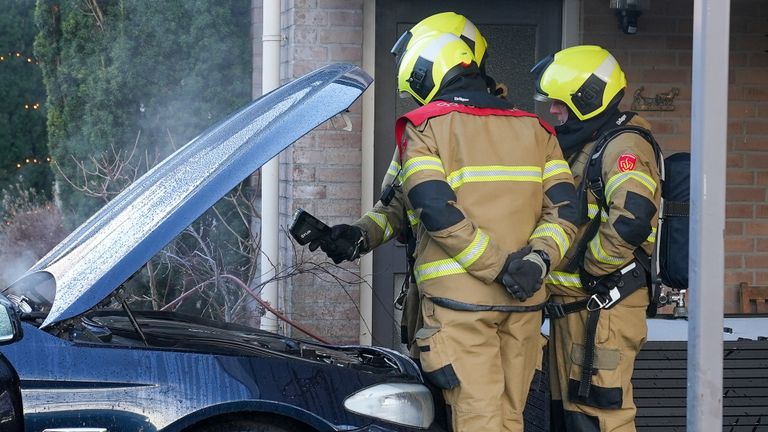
436, 359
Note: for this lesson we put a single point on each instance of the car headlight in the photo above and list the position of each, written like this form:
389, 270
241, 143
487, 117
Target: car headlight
401, 403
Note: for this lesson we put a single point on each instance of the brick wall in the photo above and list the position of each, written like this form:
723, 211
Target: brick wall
321, 171
658, 58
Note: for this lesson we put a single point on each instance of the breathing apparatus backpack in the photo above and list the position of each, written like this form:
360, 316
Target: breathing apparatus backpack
668, 263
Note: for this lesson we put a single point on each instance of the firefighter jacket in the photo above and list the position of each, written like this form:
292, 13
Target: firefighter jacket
482, 183
632, 192
384, 222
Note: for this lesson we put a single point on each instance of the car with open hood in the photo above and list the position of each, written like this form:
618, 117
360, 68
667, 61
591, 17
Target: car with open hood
86, 367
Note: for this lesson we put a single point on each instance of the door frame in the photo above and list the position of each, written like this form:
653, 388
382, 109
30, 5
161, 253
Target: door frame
379, 30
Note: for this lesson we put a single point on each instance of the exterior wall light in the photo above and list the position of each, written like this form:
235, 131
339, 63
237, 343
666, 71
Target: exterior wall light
628, 11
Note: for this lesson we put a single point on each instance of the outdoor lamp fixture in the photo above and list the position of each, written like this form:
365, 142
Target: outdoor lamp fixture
627, 11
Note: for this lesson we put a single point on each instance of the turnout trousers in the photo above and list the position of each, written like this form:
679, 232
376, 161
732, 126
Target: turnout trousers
484, 361
621, 332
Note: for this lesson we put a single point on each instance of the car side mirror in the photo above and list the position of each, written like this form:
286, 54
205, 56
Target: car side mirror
10, 324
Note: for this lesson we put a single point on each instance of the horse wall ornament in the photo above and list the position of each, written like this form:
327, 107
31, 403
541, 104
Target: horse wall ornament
660, 102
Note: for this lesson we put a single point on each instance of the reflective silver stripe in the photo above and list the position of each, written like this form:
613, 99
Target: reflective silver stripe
555, 167
592, 211
556, 233
431, 51
564, 279
382, 222
600, 254
494, 173
617, 180
472, 252
422, 163
436, 269
412, 218
393, 169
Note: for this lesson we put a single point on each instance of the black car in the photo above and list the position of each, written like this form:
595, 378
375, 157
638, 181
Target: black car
11, 417
84, 366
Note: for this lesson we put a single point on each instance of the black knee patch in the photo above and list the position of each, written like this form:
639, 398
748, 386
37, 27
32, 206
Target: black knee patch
444, 378
599, 397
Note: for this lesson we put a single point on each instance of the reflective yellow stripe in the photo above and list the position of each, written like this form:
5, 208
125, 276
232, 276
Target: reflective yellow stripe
615, 181
436, 269
600, 254
494, 173
555, 167
556, 233
393, 169
412, 218
592, 211
564, 279
422, 163
472, 252
382, 222
652, 237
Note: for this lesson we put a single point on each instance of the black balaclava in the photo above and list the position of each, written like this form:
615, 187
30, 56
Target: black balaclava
471, 88
575, 134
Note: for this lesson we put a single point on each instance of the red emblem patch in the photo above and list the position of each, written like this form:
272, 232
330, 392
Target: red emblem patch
627, 162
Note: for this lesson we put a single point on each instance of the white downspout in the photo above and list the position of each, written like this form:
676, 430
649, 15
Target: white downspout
367, 197
709, 125
270, 172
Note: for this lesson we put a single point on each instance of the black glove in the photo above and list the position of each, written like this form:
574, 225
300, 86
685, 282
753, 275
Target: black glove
523, 273
598, 284
345, 242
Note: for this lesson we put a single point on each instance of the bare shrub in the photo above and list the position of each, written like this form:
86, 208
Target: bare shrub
30, 228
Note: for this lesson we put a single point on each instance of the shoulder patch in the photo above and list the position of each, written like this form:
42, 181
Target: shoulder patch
627, 162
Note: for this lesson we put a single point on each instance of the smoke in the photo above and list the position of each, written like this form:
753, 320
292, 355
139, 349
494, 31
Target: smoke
14, 263
27, 237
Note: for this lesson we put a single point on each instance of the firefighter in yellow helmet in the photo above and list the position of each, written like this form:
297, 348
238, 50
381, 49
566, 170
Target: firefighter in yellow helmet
389, 218
601, 291
494, 199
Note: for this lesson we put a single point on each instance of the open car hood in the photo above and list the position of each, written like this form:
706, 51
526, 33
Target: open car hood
116, 241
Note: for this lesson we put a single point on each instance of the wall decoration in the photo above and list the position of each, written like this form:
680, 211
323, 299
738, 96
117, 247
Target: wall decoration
660, 102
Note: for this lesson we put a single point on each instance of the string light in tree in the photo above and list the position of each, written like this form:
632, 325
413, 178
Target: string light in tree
18, 55
33, 161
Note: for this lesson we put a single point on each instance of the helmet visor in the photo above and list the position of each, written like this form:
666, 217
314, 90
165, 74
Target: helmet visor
398, 49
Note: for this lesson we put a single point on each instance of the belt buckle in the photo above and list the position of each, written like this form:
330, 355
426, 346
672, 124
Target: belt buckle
600, 302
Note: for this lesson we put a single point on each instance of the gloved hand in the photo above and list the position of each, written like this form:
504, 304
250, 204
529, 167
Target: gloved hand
345, 242
598, 284
523, 273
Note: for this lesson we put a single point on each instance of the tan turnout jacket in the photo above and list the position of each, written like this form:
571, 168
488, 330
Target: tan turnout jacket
632, 191
478, 185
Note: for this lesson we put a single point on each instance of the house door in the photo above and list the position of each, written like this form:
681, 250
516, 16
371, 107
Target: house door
519, 32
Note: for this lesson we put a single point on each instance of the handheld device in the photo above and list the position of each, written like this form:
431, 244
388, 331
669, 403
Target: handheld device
306, 227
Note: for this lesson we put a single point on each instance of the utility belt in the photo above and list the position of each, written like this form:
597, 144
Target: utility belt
634, 277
